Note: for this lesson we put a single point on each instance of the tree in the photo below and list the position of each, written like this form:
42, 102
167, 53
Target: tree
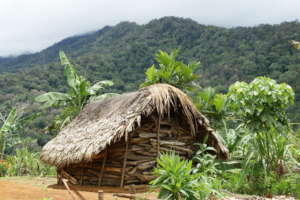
79, 94
262, 103
261, 106
172, 72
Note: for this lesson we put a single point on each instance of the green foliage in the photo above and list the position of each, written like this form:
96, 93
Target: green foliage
205, 161
177, 179
262, 103
171, 71
251, 117
253, 122
79, 94
212, 104
26, 163
7, 131
122, 53
236, 181
10, 131
261, 149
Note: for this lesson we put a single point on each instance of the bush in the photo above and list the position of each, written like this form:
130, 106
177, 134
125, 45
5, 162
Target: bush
176, 179
27, 163
3, 168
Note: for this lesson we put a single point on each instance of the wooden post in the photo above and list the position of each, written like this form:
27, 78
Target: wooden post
157, 135
81, 176
124, 162
100, 195
58, 176
102, 168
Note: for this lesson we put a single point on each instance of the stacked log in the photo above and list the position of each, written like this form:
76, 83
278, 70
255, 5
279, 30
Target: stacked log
119, 166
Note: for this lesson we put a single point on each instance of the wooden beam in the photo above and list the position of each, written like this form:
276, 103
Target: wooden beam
70, 178
102, 168
130, 196
74, 197
124, 162
65, 181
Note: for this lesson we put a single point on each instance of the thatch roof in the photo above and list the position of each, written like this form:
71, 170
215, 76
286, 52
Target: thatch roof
102, 123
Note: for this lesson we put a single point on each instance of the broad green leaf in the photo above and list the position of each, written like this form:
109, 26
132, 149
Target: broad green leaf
63, 58
52, 98
9, 120
99, 85
219, 102
57, 96
207, 94
103, 96
69, 71
150, 73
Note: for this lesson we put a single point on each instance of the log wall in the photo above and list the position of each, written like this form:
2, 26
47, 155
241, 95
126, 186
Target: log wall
119, 166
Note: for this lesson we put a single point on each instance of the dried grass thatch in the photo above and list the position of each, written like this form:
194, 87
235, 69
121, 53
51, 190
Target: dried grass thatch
105, 122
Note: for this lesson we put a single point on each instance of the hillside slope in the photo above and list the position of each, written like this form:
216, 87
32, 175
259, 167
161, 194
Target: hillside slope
123, 52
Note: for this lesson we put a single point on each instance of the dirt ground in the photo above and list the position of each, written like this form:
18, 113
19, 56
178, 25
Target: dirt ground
33, 188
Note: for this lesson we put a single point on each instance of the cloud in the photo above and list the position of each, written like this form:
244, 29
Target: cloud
31, 25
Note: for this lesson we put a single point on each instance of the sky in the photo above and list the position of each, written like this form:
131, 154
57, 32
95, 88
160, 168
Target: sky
32, 25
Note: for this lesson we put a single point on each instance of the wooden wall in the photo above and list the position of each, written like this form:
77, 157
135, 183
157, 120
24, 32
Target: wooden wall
132, 162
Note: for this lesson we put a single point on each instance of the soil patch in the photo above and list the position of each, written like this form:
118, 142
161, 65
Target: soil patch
32, 188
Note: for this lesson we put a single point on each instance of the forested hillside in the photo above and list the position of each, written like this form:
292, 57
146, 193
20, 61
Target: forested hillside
123, 52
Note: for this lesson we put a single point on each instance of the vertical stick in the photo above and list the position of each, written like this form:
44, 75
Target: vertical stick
81, 176
124, 162
100, 195
58, 176
102, 168
157, 135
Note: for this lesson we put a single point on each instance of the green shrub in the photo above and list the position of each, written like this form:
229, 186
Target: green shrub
177, 179
27, 163
3, 168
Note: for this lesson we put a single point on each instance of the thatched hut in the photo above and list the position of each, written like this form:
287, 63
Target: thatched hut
115, 142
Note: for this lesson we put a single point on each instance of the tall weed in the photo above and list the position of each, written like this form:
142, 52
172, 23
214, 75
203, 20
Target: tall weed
26, 163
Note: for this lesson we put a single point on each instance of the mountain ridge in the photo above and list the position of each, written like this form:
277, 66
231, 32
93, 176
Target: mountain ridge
123, 52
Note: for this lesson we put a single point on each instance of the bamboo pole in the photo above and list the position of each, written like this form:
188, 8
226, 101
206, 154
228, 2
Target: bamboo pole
124, 162
102, 168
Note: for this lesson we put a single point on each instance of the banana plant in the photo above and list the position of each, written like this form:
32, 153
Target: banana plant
295, 44
79, 94
7, 129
